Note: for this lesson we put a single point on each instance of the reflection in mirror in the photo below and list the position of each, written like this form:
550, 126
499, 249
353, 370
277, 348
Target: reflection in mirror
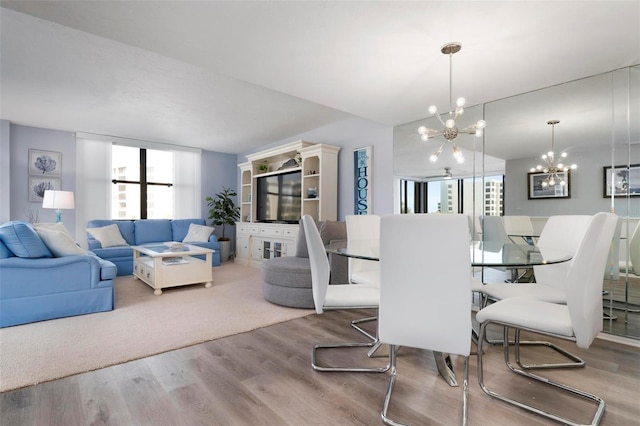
599, 127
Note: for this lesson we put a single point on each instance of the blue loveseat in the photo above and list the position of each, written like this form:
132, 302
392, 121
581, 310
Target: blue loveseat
35, 286
146, 232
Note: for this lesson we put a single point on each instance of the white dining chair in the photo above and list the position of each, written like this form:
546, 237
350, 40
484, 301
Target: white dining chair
563, 233
519, 227
579, 320
493, 230
416, 292
632, 263
335, 296
363, 229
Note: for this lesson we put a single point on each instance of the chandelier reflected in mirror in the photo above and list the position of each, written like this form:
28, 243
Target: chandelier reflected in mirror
552, 165
450, 131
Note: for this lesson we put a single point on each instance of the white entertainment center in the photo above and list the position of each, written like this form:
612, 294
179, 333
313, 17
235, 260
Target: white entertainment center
318, 164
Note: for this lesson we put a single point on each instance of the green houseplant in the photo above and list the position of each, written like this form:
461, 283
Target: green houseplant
223, 212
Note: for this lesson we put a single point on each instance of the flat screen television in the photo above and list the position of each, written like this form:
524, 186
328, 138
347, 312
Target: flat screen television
279, 197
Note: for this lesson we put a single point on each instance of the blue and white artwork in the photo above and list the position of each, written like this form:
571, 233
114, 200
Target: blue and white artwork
362, 180
45, 163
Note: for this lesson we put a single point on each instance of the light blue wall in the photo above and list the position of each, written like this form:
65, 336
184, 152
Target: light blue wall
351, 134
218, 171
24, 138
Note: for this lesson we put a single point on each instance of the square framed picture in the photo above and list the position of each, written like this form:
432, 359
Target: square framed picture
45, 163
621, 181
37, 186
538, 190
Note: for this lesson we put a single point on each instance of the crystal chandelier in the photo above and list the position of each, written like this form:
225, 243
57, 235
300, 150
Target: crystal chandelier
551, 167
450, 131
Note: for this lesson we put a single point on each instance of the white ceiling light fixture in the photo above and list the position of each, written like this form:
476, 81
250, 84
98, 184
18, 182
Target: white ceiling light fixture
450, 131
551, 167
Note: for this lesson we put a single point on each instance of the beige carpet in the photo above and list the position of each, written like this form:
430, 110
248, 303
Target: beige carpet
141, 325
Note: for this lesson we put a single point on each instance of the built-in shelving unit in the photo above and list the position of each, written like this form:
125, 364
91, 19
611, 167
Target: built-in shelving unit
319, 166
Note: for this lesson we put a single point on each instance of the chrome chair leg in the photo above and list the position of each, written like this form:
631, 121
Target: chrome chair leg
392, 380
575, 361
356, 325
317, 367
573, 391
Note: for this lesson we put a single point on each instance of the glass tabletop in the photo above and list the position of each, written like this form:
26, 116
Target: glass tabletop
483, 253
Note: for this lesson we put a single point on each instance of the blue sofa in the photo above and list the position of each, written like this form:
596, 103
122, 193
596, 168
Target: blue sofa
35, 286
143, 232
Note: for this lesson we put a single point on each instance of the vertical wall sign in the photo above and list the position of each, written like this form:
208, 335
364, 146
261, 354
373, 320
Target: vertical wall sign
363, 180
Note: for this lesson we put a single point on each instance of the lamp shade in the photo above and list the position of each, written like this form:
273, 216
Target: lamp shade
58, 200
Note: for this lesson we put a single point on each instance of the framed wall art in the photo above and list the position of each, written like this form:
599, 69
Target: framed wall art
363, 180
37, 186
537, 190
45, 163
621, 180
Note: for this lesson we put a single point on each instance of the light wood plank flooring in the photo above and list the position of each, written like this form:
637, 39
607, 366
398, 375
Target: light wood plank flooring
264, 377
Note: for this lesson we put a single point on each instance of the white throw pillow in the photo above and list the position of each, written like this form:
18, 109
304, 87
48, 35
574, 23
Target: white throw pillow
58, 242
198, 234
58, 226
108, 236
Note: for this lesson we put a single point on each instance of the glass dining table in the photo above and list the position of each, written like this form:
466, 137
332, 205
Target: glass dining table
482, 254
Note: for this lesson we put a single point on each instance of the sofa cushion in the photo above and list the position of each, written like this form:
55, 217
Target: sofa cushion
180, 227
125, 226
109, 236
58, 226
59, 243
153, 231
4, 251
198, 234
23, 240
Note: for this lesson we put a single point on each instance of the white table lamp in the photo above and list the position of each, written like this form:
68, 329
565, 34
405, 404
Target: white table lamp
58, 200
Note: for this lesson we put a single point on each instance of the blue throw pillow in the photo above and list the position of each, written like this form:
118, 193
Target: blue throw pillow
23, 240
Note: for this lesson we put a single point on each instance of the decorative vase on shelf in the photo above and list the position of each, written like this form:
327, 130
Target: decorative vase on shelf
312, 192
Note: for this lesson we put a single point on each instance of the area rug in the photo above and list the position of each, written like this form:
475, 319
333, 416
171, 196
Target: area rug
141, 325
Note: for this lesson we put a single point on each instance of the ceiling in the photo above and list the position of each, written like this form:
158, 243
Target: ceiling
235, 75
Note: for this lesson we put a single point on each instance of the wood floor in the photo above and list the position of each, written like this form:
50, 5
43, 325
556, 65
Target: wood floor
264, 377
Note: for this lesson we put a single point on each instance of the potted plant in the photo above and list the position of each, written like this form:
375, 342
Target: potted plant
223, 212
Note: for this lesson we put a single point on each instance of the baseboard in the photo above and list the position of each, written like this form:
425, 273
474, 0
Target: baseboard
619, 339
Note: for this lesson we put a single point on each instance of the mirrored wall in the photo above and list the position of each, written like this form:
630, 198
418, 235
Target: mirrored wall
598, 128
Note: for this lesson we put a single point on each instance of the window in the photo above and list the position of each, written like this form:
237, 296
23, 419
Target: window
143, 181
453, 196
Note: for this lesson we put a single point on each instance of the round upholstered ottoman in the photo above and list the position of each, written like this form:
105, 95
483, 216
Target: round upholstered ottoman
287, 281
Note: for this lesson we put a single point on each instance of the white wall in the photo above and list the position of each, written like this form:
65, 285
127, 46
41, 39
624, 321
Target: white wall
351, 134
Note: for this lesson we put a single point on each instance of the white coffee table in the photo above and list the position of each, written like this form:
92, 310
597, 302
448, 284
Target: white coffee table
161, 266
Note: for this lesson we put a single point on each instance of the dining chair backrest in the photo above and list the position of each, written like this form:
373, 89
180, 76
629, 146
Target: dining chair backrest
562, 233
584, 279
493, 229
363, 228
425, 277
518, 225
634, 250
612, 269
320, 269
